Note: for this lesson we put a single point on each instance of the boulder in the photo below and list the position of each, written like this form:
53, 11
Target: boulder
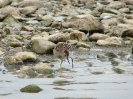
21, 57
28, 10
87, 23
46, 20
10, 60
28, 28
116, 61
77, 35
43, 68
42, 46
128, 2
69, 10
111, 41
82, 44
90, 3
123, 30
8, 30
98, 36
124, 10
7, 11
11, 20
116, 5
31, 89
42, 37
58, 37
127, 33
3, 3
25, 3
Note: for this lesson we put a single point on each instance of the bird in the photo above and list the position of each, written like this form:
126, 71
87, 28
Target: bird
63, 51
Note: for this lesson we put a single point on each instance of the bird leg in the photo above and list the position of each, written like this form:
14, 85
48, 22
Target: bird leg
61, 62
72, 62
67, 54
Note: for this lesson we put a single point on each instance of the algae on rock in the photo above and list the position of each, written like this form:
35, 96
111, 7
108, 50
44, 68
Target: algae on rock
31, 89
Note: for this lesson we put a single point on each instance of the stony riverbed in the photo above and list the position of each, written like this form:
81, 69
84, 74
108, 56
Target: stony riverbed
103, 61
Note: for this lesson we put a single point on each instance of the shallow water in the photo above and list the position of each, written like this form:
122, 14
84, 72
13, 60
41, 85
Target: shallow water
79, 83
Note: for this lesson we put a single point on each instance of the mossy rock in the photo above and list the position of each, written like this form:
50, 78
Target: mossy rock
97, 72
61, 83
13, 60
26, 56
118, 70
11, 20
32, 73
31, 89
43, 68
63, 69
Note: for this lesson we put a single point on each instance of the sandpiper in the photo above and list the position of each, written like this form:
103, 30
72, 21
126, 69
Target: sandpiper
63, 50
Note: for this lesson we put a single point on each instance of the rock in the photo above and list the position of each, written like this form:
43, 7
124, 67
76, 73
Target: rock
28, 10
7, 11
20, 57
25, 69
57, 25
3, 3
64, 2
8, 30
111, 55
25, 3
31, 89
40, 11
87, 23
26, 56
48, 5
69, 10
90, 4
66, 24
43, 45
111, 10
82, 44
46, 20
13, 41
82, 49
102, 57
124, 10
77, 35
11, 20
109, 23
43, 68
111, 41
44, 36
58, 37
15, 44
128, 2
1, 52
102, 42
120, 29
28, 28
122, 54
72, 41
116, 61
10, 60
127, 33
118, 70
116, 5
98, 36
105, 16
